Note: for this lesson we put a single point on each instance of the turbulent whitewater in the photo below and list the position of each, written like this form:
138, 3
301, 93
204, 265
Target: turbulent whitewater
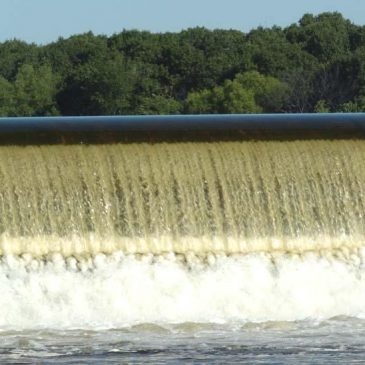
118, 291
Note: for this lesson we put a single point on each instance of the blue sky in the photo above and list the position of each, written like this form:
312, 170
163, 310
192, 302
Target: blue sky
42, 21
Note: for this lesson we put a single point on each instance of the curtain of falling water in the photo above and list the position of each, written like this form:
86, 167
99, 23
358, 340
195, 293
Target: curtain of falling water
228, 197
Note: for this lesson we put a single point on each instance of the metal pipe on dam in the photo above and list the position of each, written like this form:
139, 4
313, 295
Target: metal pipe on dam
93, 129
210, 184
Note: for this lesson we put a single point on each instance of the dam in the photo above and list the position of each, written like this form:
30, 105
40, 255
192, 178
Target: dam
231, 237
193, 184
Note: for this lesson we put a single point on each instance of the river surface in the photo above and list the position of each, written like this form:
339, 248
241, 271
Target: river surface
336, 341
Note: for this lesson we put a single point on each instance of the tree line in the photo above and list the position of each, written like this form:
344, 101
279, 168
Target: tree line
315, 65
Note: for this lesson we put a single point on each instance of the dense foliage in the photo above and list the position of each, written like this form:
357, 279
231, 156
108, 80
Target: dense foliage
316, 65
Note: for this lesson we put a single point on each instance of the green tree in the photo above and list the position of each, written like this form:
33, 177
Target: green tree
235, 98
325, 36
14, 54
158, 104
199, 102
249, 92
321, 107
314, 65
66, 55
356, 106
7, 105
35, 90
100, 87
300, 83
270, 93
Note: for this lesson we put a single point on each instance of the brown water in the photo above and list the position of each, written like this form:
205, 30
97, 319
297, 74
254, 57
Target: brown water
230, 197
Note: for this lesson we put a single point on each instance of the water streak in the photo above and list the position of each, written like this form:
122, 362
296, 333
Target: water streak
230, 197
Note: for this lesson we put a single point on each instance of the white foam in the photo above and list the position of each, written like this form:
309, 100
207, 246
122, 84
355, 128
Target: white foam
118, 290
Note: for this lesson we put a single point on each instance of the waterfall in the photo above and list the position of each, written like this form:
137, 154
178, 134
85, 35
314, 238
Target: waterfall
189, 197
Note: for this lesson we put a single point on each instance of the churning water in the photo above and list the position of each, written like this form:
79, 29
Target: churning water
215, 251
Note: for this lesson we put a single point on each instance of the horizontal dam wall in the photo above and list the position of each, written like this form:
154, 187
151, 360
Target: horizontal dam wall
113, 129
